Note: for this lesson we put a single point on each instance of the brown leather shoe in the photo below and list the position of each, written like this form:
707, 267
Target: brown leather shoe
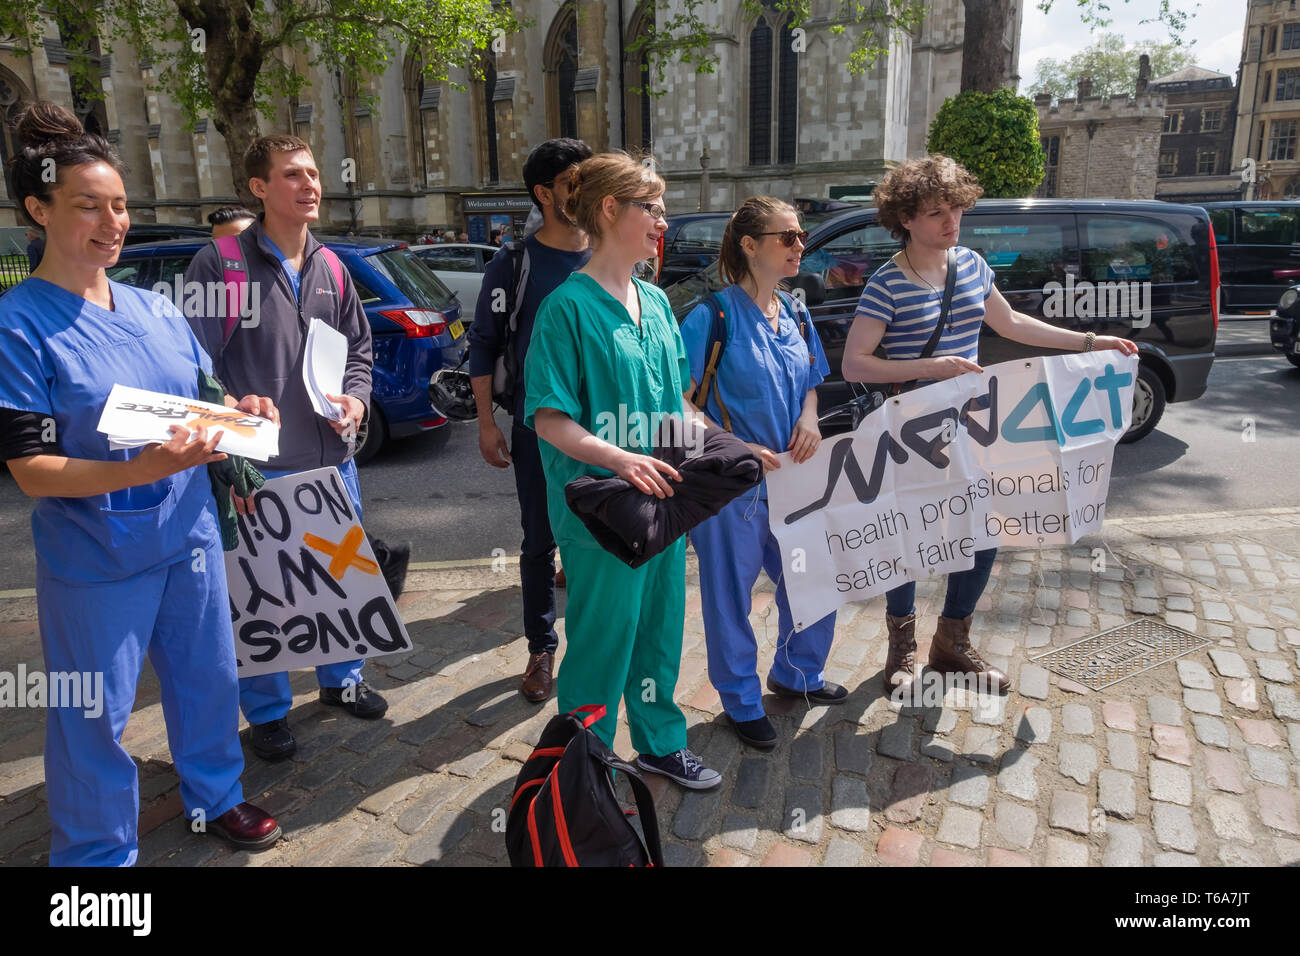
951, 653
560, 580
538, 683
900, 665
247, 827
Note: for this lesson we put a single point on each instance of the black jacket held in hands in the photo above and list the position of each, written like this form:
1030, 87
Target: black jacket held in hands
634, 526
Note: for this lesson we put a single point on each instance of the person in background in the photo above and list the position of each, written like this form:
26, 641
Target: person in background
553, 252
129, 561
230, 221
495, 237
462, 237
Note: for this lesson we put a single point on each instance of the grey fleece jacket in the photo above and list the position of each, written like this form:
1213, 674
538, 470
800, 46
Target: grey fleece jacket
268, 359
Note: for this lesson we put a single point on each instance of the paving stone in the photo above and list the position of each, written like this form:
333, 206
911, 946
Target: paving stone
1123, 845
1077, 760
1228, 663
1283, 699
1232, 854
472, 764
1069, 811
1262, 639
1032, 681
1116, 794
751, 782
960, 827
1223, 772
1260, 733
988, 709
842, 852
942, 856
1145, 605
1015, 824
1277, 809
782, 855
806, 757
969, 787
1171, 744
739, 830
1210, 731
1288, 851
1273, 670
896, 739
1073, 687
803, 814
1242, 693
1066, 852
1169, 783
1076, 719
1035, 726
728, 857
1174, 859
1162, 710
681, 856
1230, 820
1203, 702
939, 748
939, 720
853, 751
1293, 733
1178, 602
901, 847
382, 801
1268, 766
850, 805
1119, 715
1122, 751
1214, 611
1194, 675
908, 793
370, 853
980, 744
1174, 827
1187, 622
1016, 776
697, 813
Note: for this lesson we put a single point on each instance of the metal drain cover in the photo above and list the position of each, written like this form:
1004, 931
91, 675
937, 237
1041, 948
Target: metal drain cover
1119, 653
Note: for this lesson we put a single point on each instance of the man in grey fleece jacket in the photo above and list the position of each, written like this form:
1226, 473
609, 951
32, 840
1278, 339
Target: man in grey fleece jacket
293, 284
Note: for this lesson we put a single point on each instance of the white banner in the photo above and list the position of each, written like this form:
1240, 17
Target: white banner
133, 417
305, 588
1018, 456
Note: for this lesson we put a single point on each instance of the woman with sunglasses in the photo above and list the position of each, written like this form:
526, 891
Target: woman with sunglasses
764, 390
606, 345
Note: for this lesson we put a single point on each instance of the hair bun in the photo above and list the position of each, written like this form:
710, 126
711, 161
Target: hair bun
43, 122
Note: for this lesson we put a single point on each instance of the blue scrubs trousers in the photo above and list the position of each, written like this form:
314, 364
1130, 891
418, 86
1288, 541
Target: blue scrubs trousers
732, 548
179, 615
268, 697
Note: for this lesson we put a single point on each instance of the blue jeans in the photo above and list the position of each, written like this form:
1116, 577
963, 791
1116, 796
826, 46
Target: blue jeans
964, 590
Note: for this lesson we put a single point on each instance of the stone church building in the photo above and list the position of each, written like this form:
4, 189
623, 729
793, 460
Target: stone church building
781, 115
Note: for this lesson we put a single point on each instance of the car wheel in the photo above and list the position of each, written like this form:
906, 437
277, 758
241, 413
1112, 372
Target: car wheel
1148, 404
1294, 360
373, 435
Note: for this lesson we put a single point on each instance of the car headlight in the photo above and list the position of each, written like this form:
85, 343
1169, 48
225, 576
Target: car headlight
1288, 299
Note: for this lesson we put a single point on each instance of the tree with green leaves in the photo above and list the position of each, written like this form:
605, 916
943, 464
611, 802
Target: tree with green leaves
233, 59
1112, 63
995, 136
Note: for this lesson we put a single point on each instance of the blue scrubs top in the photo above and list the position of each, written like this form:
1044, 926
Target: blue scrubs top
290, 272
61, 355
764, 376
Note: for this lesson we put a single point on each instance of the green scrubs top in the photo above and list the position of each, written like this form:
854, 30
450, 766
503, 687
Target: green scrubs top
587, 358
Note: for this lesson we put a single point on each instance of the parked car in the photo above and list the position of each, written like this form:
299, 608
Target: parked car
1165, 248
460, 266
161, 232
414, 321
1259, 252
690, 243
1284, 328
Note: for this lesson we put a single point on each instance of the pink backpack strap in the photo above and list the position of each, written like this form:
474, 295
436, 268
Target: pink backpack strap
235, 276
336, 270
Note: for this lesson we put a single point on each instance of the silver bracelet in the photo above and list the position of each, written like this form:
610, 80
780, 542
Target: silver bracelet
1088, 340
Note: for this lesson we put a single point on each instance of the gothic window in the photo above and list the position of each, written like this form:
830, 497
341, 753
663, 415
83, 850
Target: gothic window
561, 67
773, 91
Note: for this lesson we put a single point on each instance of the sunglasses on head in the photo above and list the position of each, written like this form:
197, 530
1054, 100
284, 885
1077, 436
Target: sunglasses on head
788, 236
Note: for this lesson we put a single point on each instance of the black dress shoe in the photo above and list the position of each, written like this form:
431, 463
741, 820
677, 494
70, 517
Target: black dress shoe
358, 700
757, 733
272, 740
828, 693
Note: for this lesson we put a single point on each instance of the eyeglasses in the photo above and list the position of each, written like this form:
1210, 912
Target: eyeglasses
655, 210
788, 236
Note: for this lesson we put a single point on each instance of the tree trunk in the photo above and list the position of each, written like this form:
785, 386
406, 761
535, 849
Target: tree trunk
233, 55
984, 59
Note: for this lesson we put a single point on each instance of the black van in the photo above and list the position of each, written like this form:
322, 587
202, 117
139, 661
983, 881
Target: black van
1048, 256
1259, 252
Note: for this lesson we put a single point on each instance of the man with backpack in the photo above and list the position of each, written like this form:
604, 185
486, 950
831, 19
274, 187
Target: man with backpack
295, 279
515, 282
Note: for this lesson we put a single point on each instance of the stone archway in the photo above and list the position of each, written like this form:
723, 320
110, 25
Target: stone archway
14, 95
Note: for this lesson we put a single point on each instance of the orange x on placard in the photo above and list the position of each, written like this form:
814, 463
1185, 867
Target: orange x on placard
344, 554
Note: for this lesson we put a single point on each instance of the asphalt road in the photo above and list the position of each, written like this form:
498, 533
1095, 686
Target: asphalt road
436, 491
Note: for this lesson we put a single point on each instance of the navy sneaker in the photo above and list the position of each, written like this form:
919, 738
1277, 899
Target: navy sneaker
682, 767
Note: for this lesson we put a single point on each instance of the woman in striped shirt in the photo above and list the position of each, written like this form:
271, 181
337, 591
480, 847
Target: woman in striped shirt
921, 203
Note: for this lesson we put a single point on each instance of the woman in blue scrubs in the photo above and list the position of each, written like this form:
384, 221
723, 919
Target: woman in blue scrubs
129, 558
765, 392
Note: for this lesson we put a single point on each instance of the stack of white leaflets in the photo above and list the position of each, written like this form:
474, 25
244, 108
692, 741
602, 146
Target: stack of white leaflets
133, 417
322, 368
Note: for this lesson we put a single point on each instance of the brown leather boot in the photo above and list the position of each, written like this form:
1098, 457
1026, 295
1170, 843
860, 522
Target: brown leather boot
900, 665
951, 653
538, 683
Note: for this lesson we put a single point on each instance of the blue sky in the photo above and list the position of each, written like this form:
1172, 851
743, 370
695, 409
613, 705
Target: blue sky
1216, 27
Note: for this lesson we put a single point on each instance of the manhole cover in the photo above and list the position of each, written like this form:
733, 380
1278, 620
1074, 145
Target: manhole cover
1111, 656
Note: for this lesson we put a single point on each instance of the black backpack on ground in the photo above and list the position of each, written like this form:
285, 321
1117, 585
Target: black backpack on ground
564, 811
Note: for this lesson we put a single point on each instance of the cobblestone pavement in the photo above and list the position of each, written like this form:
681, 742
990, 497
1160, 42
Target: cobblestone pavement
1196, 762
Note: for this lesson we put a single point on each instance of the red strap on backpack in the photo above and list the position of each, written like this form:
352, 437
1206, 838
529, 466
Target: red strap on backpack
594, 713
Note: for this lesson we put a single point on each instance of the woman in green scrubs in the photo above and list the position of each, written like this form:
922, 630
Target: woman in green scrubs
605, 364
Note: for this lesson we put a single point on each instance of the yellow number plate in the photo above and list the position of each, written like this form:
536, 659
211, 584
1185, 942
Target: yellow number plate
457, 329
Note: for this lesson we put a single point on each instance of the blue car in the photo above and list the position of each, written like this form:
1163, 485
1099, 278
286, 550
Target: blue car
414, 320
